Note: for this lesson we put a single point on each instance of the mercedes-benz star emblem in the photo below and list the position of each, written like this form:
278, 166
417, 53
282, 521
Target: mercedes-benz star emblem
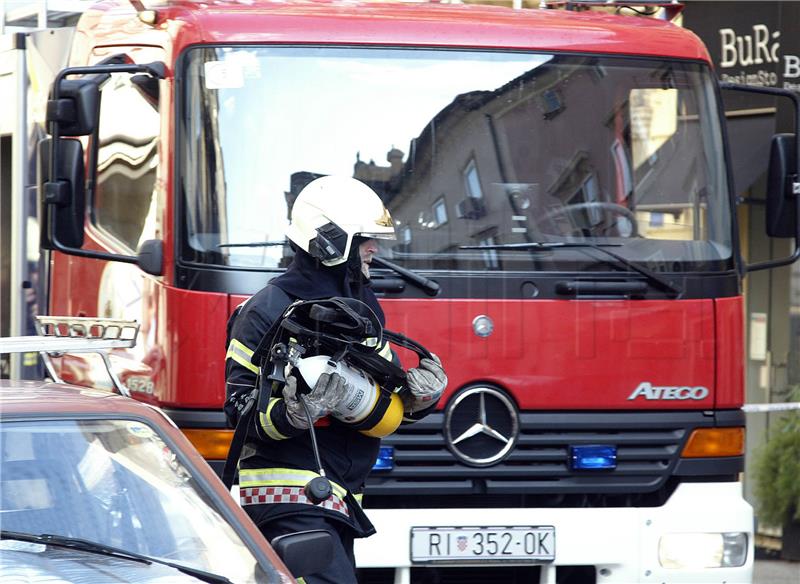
481, 426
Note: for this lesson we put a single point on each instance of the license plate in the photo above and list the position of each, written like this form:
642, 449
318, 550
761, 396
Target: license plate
460, 544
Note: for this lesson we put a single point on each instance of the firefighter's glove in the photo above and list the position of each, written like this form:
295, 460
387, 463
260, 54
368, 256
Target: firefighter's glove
326, 395
426, 384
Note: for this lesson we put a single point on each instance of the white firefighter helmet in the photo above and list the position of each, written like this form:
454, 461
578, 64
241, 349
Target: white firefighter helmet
330, 211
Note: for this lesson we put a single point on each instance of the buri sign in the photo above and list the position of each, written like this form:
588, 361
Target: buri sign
750, 58
753, 43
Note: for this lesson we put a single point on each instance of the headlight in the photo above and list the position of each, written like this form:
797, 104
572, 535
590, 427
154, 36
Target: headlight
683, 551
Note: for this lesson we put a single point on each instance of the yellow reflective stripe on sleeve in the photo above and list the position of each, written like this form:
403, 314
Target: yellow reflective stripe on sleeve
266, 421
358, 497
241, 354
241, 347
289, 477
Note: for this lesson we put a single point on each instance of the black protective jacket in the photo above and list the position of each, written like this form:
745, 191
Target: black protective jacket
347, 455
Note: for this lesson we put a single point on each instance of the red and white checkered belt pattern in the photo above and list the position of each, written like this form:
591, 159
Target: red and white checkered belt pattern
268, 495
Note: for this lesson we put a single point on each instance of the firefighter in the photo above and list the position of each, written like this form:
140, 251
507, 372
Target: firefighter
335, 223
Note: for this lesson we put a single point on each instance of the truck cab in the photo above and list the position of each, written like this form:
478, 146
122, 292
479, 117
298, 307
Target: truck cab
562, 176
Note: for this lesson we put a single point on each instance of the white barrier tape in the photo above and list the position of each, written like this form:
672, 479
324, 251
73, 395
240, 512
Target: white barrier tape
749, 408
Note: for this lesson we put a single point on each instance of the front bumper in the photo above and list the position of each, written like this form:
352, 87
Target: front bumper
621, 543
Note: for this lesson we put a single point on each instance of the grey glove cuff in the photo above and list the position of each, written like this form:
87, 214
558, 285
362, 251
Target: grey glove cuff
427, 383
294, 409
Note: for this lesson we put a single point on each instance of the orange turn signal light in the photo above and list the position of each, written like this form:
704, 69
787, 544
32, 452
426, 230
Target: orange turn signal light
212, 444
715, 442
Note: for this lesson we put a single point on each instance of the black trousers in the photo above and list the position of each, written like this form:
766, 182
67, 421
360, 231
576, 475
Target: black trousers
342, 569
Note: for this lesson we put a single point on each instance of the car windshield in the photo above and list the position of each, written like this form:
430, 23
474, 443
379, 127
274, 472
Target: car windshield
118, 483
466, 148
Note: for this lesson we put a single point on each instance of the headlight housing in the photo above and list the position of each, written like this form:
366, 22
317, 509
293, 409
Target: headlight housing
682, 551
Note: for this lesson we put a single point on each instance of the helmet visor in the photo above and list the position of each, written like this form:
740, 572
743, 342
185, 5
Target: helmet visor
378, 235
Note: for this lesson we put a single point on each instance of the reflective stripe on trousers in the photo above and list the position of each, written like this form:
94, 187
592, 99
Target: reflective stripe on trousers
285, 485
282, 477
270, 495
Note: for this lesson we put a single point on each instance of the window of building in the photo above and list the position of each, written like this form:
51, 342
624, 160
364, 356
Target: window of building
490, 257
403, 245
589, 192
405, 235
472, 180
440, 211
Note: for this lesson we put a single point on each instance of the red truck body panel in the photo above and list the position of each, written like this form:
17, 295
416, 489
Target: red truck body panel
590, 355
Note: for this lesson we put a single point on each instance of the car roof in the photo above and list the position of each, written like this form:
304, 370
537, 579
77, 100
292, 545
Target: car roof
21, 398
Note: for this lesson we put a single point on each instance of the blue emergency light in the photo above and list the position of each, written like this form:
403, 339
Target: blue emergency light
593, 457
385, 459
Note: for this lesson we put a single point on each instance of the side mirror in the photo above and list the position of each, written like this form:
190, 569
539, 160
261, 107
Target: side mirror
63, 196
781, 212
77, 107
783, 183
305, 552
73, 110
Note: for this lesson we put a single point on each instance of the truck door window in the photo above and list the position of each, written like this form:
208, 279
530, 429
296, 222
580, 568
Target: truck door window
125, 206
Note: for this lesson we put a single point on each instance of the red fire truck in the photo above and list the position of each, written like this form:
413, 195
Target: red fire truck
566, 243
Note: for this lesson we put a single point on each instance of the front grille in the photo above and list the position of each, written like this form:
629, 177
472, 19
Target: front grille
536, 472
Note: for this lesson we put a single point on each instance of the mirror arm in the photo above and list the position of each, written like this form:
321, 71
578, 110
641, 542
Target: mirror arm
93, 151
796, 254
156, 69
795, 178
86, 253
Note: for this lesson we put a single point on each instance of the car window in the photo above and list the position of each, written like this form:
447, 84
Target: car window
115, 482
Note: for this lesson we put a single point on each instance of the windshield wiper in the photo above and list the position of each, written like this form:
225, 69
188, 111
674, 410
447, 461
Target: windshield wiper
651, 276
427, 285
86, 545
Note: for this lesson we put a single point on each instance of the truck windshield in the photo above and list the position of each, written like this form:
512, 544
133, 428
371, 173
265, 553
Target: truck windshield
466, 149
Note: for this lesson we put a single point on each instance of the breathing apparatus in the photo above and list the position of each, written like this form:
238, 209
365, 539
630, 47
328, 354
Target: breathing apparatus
362, 390
336, 335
